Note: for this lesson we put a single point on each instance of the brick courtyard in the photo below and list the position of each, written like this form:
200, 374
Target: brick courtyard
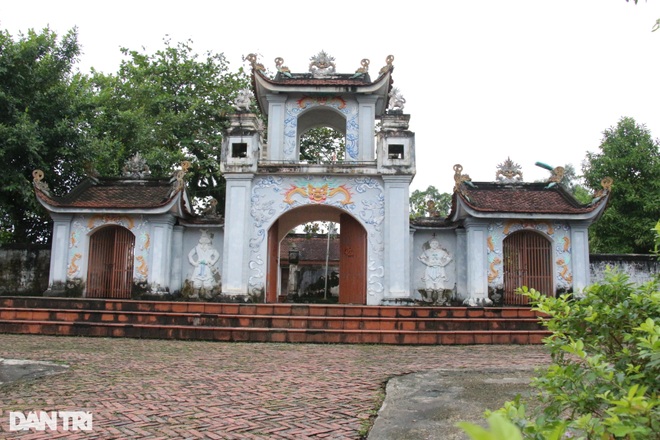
182, 389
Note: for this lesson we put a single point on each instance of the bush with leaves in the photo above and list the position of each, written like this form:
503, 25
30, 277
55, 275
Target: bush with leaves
604, 379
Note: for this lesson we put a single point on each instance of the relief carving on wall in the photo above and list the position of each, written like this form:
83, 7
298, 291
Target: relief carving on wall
205, 278
437, 288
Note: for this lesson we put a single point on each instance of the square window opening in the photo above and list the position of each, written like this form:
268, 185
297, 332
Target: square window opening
395, 151
239, 150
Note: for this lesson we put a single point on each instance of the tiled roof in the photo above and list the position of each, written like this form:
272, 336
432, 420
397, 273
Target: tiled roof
114, 194
528, 198
311, 249
308, 80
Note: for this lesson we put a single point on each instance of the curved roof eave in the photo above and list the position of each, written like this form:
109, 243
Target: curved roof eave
171, 205
264, 86
463, 210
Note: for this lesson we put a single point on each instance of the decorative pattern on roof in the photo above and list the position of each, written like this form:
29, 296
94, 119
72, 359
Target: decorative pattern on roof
459, 177
322, 71
322, 65
38, 176
136, 167
509, 172
556, 173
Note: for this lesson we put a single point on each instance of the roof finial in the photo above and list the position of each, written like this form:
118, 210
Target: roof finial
388, 65
136, 167
508, 172
459, 178
38, 181
322, 65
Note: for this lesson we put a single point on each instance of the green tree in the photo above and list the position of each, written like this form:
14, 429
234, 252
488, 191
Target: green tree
571, 181
429, 203
42, 101
603, 381
322, 145
630, 156
169, 106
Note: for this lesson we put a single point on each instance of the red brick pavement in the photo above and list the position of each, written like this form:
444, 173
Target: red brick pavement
156, 389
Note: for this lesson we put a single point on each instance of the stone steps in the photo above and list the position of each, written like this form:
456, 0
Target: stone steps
311, 323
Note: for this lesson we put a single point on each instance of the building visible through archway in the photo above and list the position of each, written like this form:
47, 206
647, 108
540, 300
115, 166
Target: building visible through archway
352, 252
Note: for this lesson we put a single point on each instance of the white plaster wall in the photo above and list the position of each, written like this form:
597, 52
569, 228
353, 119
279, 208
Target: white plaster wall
361, 197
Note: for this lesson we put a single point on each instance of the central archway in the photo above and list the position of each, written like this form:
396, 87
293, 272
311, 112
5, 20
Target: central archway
352, 253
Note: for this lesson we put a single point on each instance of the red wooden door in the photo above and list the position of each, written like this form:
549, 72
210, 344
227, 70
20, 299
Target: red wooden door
352, 261
273, 263
110, 271
527, 262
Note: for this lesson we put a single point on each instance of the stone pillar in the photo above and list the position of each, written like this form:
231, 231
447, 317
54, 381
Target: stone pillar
477, 263
161, 239
367, 122
580, 255
176, 276
397, 237
461, 265
59, 255
235, 253
292, 287
276, 117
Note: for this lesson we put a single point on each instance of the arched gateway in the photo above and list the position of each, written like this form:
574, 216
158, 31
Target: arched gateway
366, 190
497, 236
352, 251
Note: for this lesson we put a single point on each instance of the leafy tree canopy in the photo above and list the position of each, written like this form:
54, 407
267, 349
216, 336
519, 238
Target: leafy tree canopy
169, 106
42, 102
429, 203
322, 145
630, 156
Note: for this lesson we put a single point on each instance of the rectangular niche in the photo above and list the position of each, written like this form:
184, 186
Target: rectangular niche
395, 151
239, 150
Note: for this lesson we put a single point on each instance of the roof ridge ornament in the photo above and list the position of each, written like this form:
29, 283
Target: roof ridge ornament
606, 183
136, 167
177, 180
388, 65
281, 68
365, 67
322, 65
38, 181
253, 59
459, 177
508, 172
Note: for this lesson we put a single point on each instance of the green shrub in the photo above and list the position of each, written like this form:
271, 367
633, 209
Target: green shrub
604, 378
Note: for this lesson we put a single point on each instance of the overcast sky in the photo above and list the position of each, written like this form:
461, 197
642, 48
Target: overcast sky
484, 80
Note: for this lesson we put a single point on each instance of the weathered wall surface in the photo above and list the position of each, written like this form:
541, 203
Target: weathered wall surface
640, 268
24, 271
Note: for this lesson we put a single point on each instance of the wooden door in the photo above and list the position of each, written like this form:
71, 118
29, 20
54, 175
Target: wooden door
527, 262
110, 271
352, 261
273, 263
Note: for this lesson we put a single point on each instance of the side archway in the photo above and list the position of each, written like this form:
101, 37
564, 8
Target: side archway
110, 267
527, 262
